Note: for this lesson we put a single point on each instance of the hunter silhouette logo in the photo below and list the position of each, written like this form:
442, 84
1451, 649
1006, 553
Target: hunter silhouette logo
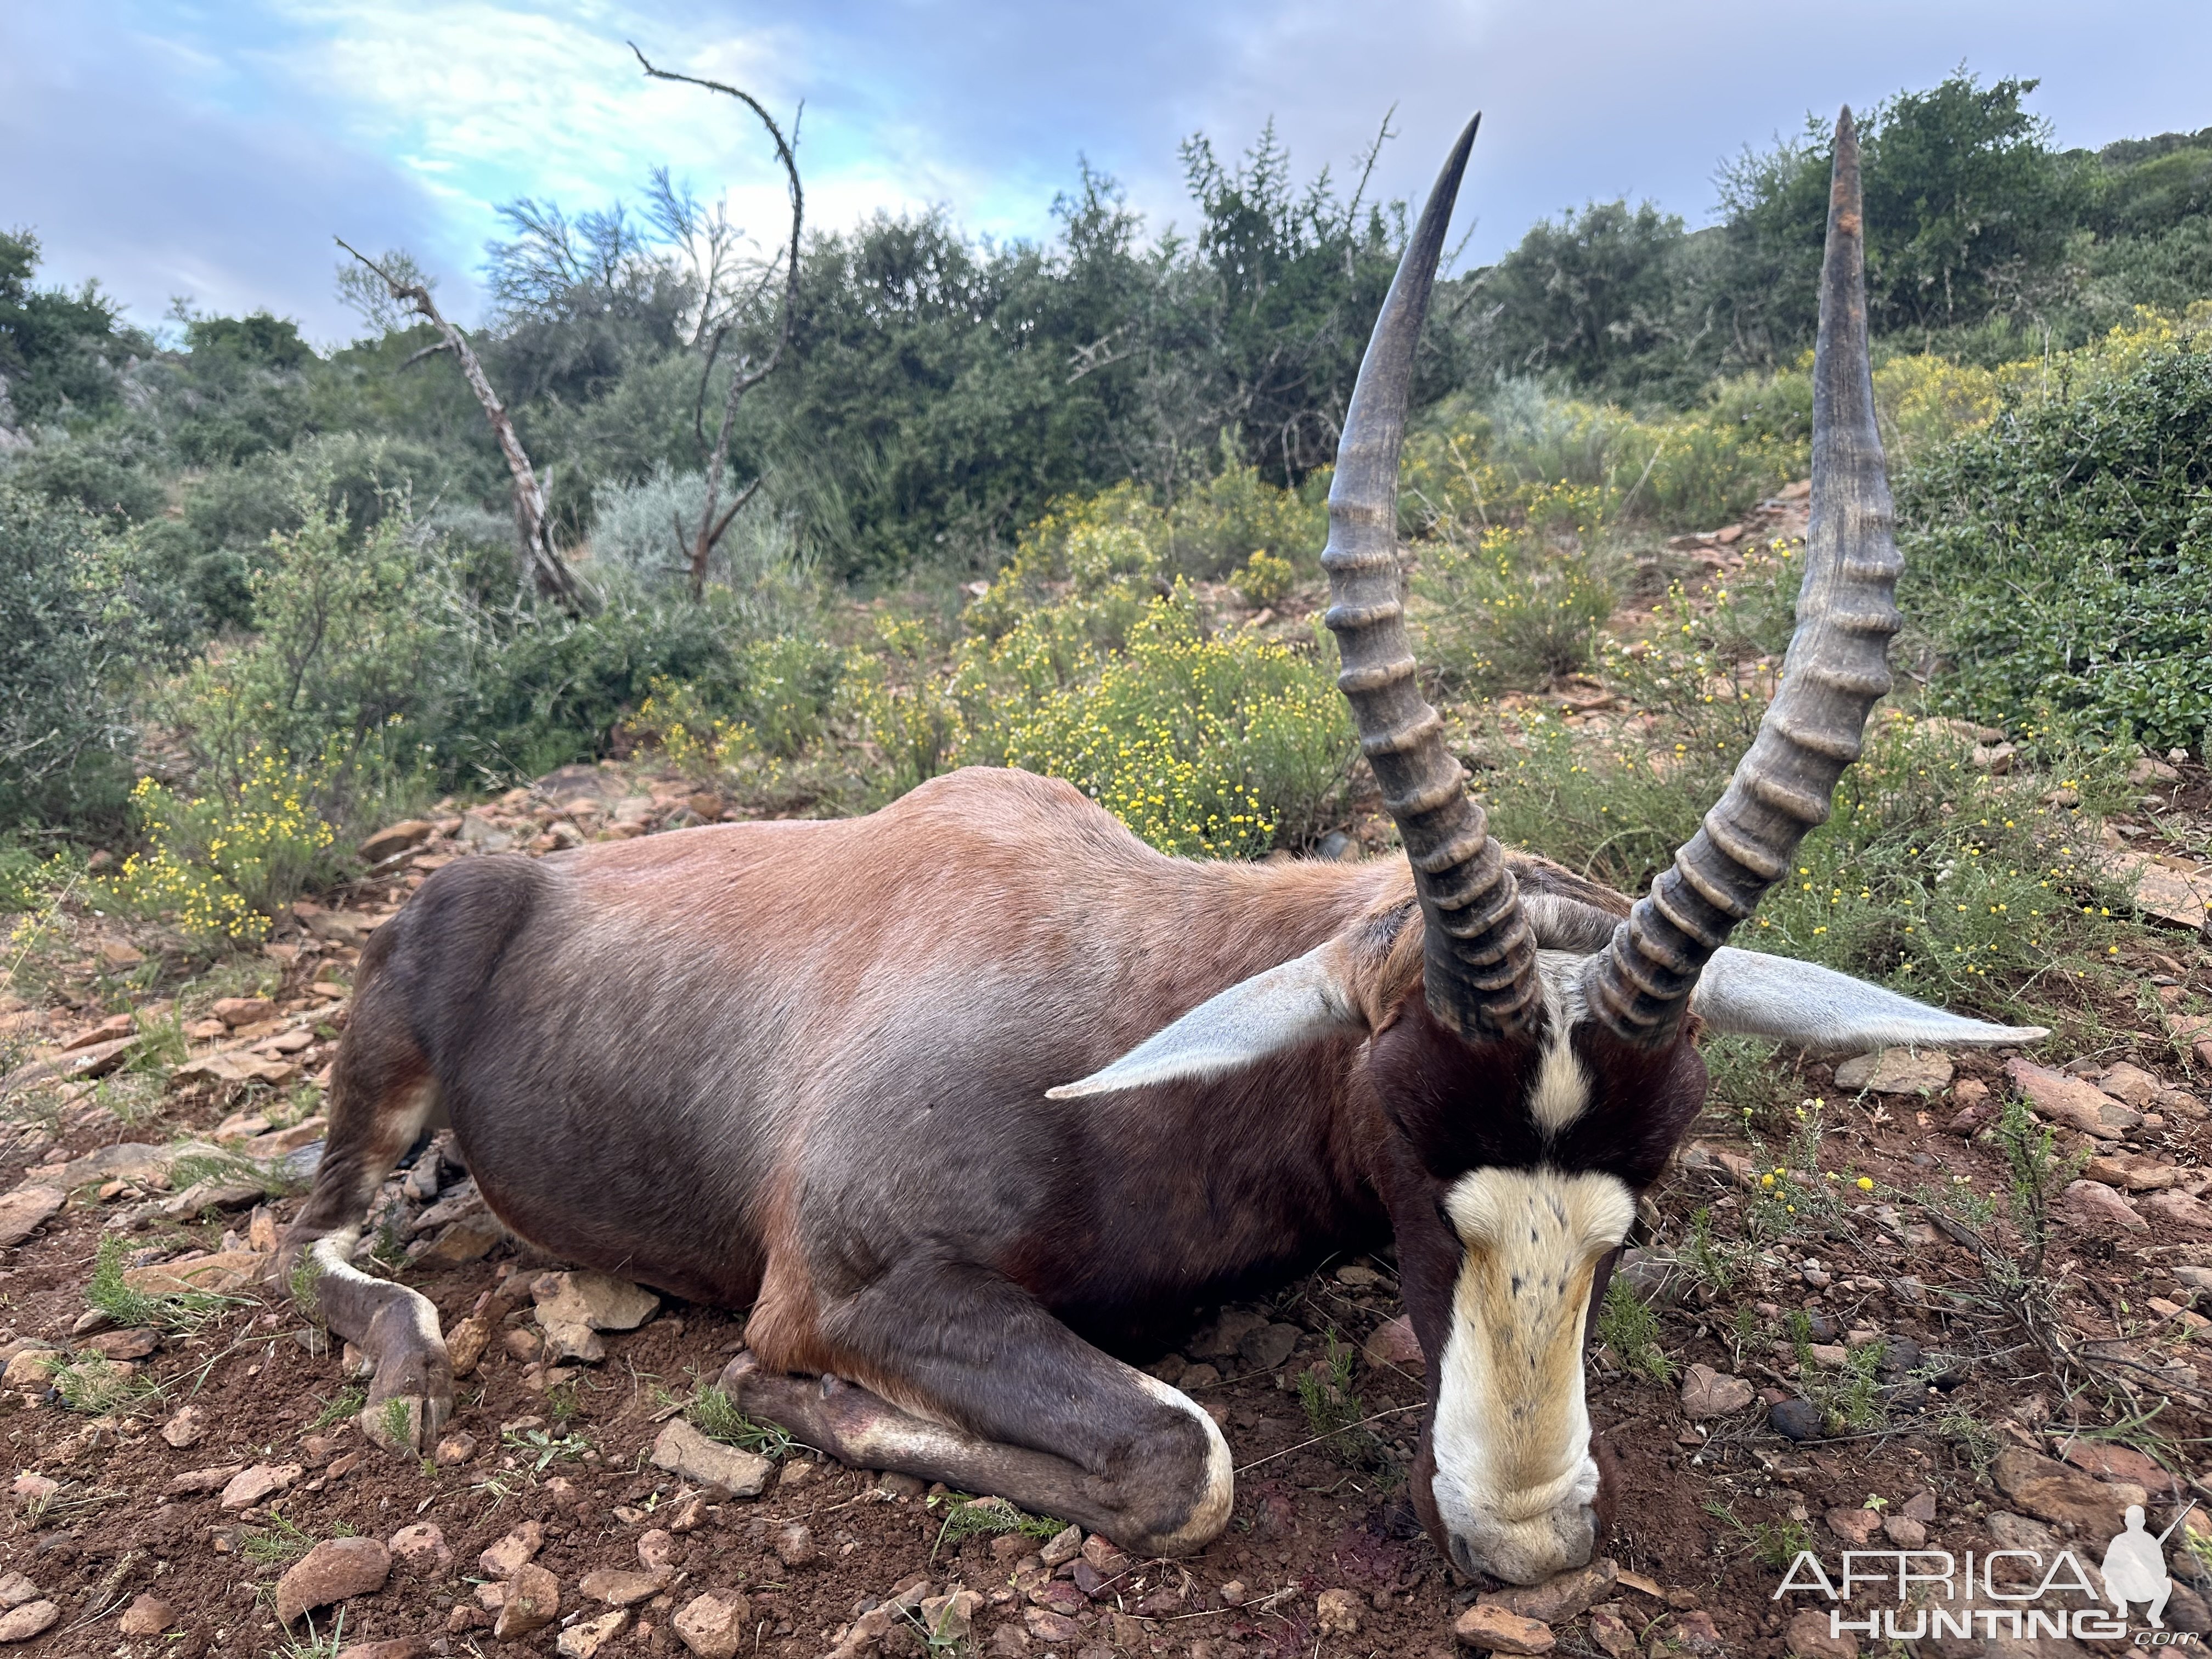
2134, 1567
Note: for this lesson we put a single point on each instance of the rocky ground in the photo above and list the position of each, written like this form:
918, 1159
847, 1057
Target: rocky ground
1841, 1331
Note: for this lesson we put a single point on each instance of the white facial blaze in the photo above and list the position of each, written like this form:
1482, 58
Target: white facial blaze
1514, 1479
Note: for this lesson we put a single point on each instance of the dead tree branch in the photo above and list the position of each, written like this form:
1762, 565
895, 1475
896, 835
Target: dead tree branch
746, 373
532, 521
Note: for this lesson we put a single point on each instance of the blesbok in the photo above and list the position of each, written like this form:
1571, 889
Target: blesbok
830, 1070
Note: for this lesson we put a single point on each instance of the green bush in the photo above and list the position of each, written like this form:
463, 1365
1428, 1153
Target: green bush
79, 624
2063, 556
219, 865
1219, 747
1515, 606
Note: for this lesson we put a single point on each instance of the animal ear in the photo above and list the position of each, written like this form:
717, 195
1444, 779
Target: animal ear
1304, 999
1749, 995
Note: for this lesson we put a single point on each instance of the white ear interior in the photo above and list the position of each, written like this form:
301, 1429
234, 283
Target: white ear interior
1750, 994
1301, 1001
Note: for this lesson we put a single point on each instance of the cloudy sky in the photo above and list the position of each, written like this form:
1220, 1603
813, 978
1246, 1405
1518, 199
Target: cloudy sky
210, 151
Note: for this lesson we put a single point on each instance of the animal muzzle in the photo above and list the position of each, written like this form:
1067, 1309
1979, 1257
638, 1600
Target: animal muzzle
1520, 1538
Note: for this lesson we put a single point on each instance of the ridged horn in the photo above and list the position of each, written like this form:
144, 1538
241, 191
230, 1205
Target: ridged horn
1837, 668
1480, 966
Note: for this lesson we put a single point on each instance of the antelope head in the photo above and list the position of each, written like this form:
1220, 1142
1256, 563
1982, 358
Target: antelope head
1533, 1058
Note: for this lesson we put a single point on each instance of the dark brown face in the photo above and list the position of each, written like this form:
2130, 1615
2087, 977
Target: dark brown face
1515, 1171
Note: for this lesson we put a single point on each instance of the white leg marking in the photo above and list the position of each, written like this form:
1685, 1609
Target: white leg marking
1211, 1513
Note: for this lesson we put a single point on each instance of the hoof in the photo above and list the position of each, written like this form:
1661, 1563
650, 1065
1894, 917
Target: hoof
731, 1381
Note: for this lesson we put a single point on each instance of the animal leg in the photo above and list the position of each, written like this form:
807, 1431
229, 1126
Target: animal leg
381, 1098
996, 1395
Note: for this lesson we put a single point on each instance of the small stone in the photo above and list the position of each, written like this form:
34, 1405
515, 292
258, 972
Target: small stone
335, 1569
506, 1557
690, 1514
23, 1210
1895, 1072
1269, 1346
1062, 1547
573, 1306
713, 1625
1611, 1632
15, 1590
532, 1602
685, 1452
397, 1647
1695, 1632
795, 1547
1560, 1598
465, 1345
456, 1448
234, 1012
1920, 1507
1807, 1637
253, 1484
31, 1618
949, 1618
395, 839
1904, 1531
1857, 1527
33, 1368
1046, 1626
147, 1615
2179, 1209
582, 1641
1708, 1393
1394, 1345
1830, 1354
2058, 1099
656, 1550
1796, 1419
1338, 1611
2093, 1204
1495, 1631
2108, 1461
2131, 1085
618, 1588
31, 1489
898, 1484
420, 1548
2055, 1492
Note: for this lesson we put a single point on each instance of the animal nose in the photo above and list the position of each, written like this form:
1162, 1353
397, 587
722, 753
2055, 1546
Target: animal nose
1529, 1551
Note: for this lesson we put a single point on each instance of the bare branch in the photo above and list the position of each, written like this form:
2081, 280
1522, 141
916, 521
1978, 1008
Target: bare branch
746, 375
551, 572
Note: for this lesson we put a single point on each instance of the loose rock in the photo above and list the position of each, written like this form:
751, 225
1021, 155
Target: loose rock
795, 1547
187, 1428
507, 1558
2093, 1205
1268, 1347
1393, 1345
1338, 1611
23, 1210
147, 1615
713, 1625
1796, 1419
31, 1618
1857, 1527
1807, 1637
618, 1588
251, 1485
1560, 1597
532, 1602
15, 1590
1895, 1072
334, 1570
1707, 1393
422, 1549
582, 1641
573, 1308
2058, 1099
2052, 1491
685, 1452
1493, 1630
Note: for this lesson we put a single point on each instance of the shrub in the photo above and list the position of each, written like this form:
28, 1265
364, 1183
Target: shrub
1204, 747
219, 866
1265, 580
2063, 554
79, 623
1517, 607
